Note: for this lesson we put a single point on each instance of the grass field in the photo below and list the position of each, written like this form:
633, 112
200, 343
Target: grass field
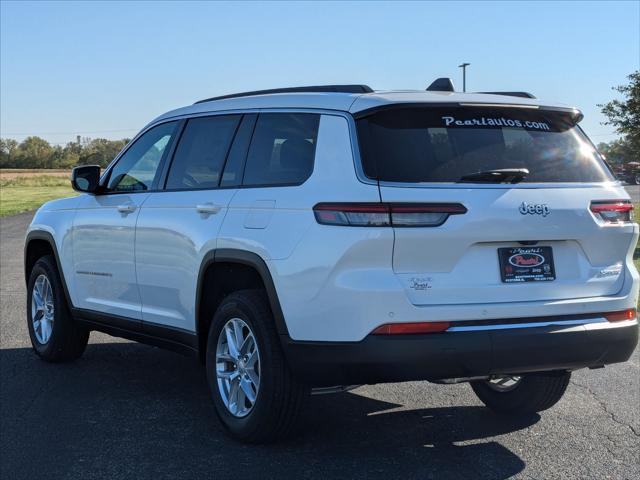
8, 173
21, 192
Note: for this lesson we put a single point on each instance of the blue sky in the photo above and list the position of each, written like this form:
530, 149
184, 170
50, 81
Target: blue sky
106, 69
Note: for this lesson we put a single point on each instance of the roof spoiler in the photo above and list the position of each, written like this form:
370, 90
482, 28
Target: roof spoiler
314, 89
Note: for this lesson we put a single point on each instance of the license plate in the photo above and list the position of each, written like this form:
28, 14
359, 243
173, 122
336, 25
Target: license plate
526, 264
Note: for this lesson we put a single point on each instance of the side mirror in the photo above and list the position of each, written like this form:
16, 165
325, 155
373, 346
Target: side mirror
86, 178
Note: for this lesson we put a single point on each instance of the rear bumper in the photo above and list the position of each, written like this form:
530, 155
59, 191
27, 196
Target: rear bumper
396, 358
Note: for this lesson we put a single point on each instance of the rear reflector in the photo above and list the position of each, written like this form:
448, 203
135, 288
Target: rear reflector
628, 314
386, 214
613, 211
411, 328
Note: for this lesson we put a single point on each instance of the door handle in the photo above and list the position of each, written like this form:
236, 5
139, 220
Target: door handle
126, 208
208, 208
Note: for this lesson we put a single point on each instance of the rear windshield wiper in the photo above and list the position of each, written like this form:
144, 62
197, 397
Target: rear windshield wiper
503, 175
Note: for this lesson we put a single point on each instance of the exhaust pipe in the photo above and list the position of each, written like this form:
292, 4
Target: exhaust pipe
450, 381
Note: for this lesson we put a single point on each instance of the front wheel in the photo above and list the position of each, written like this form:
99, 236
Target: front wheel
522, 394
254, 393
55, 336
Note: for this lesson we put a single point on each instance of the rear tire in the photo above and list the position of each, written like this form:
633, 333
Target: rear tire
54, 335
278, 397
532, 393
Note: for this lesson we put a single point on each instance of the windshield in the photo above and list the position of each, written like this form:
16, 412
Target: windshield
445, 144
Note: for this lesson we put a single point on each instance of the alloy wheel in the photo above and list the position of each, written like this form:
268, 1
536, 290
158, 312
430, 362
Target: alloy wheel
238, 367
504, 384
42, 309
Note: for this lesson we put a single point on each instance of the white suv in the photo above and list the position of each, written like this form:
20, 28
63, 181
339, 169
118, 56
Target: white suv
322, 237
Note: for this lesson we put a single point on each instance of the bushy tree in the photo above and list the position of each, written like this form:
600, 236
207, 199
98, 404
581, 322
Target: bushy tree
100, 151
35, 151
8, 148
617, 152
624, 115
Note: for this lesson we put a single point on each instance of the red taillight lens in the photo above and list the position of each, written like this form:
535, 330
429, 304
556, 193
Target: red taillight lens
386, 214
411, 328
628, 314
423, 215
616, 211
352, 214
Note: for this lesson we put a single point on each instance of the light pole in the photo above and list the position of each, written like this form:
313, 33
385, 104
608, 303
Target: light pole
464, 75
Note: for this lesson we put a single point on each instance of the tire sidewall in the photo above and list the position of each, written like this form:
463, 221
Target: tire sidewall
44, 267
534, 393
237, 308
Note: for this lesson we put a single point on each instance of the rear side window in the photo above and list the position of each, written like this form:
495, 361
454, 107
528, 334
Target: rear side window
201, 153
446, 144
282, 149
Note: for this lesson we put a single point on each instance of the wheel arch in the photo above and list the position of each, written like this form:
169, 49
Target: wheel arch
38, 244
250, 271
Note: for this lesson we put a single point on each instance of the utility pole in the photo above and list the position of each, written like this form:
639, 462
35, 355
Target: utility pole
464, 75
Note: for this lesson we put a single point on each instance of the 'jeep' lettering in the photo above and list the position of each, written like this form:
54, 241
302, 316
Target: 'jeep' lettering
534, 209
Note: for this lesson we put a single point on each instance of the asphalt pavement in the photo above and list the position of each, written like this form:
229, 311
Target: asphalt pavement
126, 410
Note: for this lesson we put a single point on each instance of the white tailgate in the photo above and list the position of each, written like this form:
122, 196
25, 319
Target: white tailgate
457, 262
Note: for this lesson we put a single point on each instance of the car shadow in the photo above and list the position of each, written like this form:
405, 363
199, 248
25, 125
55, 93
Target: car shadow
130, 411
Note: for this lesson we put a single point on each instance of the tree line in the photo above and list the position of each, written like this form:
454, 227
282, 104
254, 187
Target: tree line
36, 152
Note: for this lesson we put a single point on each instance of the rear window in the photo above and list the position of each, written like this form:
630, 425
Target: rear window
446, 144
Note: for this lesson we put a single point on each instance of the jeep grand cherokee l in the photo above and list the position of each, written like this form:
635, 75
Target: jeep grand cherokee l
316, 238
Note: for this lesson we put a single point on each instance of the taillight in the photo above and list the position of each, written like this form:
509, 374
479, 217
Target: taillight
611, 212
628, 314
352, 214
423, 215
386, 214
411, 328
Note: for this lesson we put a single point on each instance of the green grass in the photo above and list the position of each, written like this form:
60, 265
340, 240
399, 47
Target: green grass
22, 194
34, 181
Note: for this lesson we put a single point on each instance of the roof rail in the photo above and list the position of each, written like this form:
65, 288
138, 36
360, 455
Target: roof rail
316, 89
512, 94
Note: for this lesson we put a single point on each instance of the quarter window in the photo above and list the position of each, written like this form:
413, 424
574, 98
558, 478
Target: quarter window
137, 169
282, 149
201, 153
